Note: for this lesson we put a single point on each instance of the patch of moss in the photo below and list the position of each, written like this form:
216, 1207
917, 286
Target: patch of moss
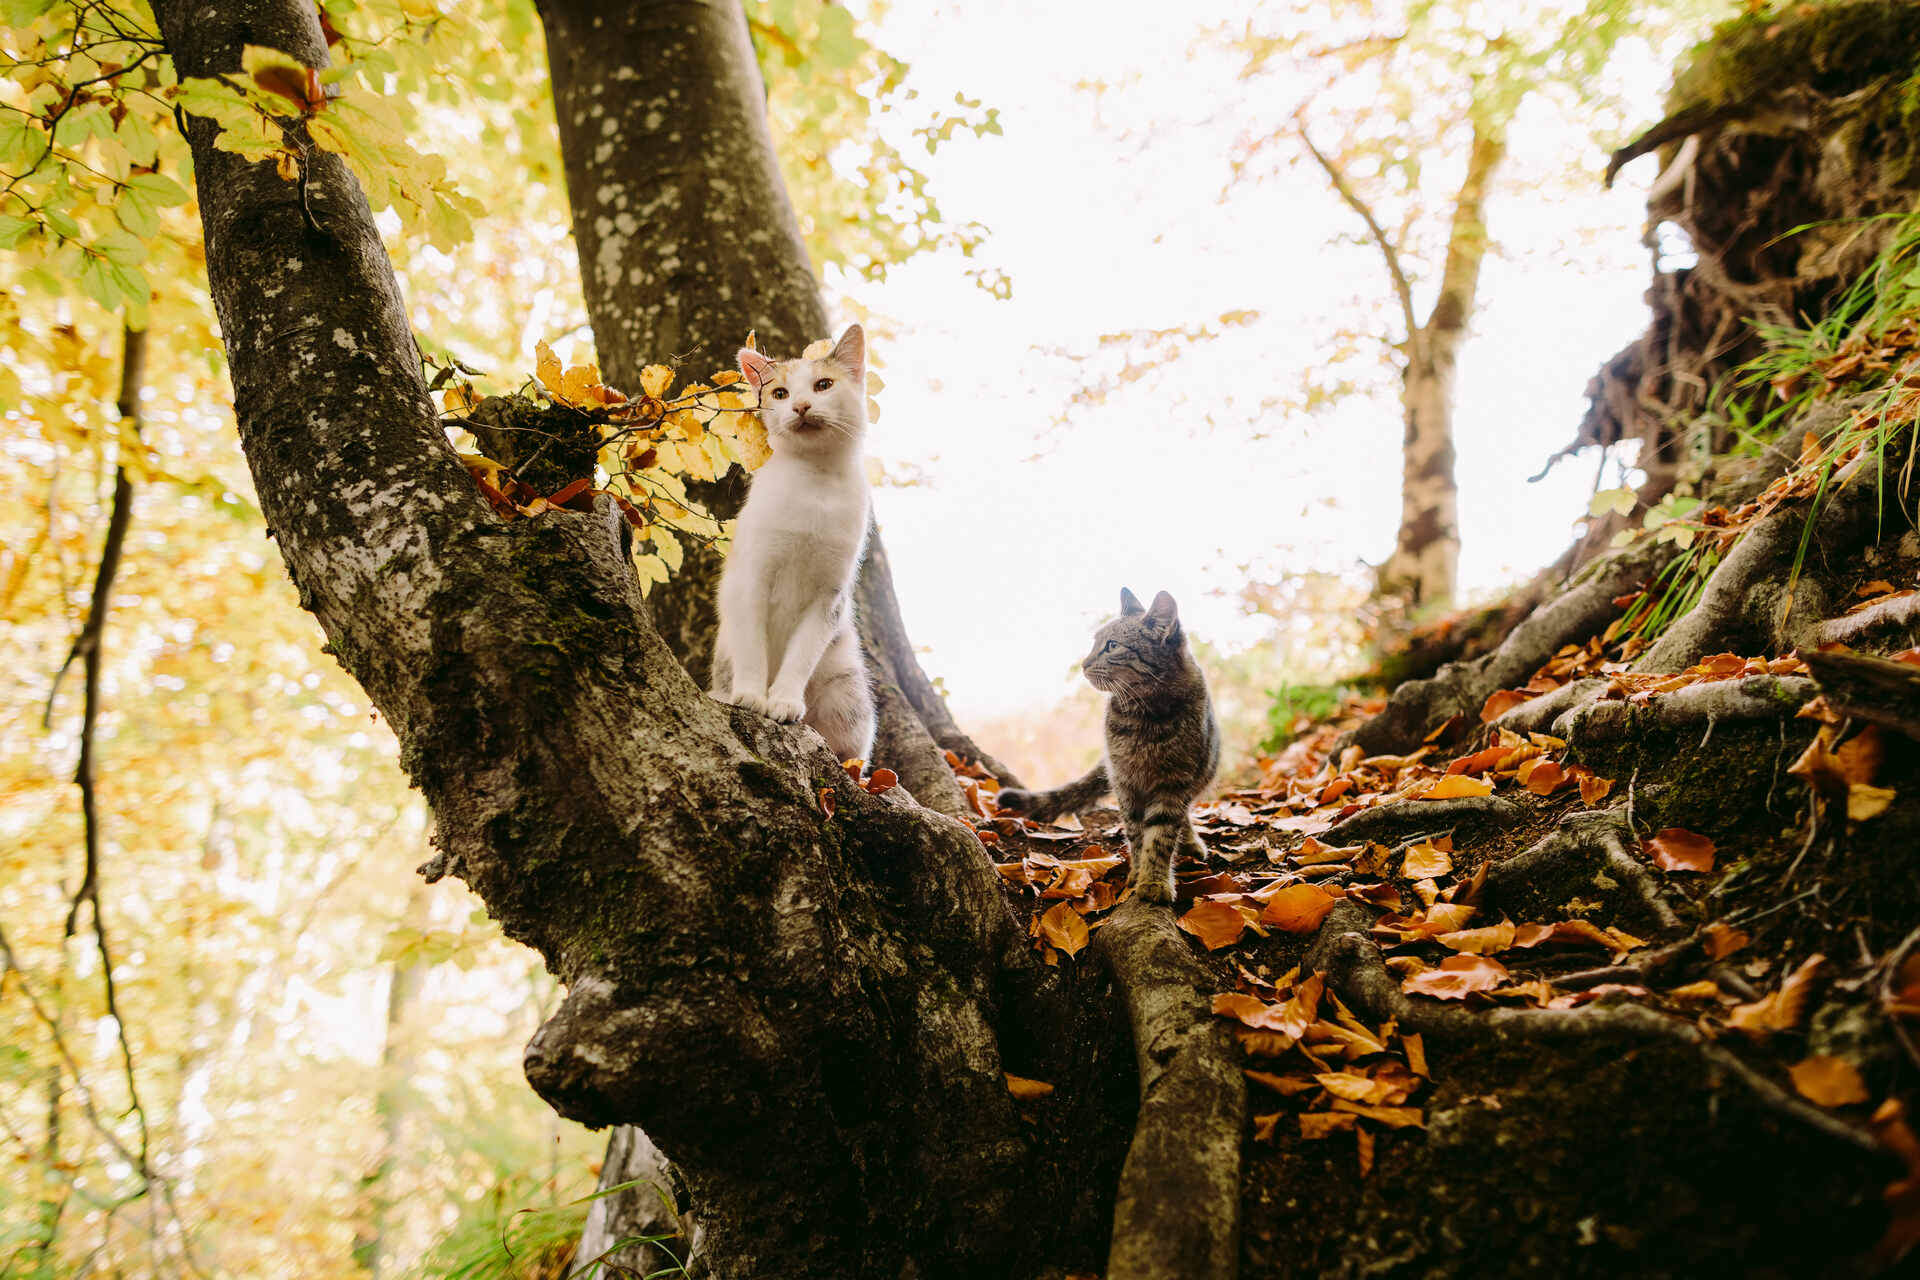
1832, 48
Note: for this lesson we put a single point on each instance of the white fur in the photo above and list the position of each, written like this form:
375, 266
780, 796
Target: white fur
786, 645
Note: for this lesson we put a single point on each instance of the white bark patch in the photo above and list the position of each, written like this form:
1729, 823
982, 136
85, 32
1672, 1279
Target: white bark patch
344, 340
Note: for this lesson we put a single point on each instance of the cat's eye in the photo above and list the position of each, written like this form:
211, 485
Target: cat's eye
779, 393
1111, 646
822, 384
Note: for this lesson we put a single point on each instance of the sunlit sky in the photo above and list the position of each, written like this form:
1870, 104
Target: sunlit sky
1021, 533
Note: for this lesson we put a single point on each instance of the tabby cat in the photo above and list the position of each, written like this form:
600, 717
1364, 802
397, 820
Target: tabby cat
1163, 743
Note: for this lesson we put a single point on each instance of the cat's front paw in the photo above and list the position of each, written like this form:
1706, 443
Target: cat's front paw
1013, 800
1158, 892
785, 710
747, 698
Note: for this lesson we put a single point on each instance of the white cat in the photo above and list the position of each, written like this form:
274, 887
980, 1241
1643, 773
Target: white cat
786, 645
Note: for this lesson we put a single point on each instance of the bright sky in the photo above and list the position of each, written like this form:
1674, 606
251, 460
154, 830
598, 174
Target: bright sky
1006, 561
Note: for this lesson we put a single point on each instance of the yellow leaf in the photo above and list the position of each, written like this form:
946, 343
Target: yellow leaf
818, 350
1024, 1090
1063, 927
546, 366
655, 379
1458, 786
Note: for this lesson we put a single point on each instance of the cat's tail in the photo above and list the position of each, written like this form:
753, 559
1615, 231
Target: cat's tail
1045, 806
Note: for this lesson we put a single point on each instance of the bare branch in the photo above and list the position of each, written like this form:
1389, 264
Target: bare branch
1402, 289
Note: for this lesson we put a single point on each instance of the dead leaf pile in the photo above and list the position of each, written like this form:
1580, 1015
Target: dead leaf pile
1328, 1069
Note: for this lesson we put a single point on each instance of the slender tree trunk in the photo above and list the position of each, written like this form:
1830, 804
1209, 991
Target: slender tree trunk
390, 1103
687, 243
1424, 567
797, 1006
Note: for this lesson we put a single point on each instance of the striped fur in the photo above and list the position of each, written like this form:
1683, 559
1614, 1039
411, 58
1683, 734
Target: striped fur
1163, 743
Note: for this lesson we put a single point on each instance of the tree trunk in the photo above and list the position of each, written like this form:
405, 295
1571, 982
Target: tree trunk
1424, 567
687, 243
797, 1007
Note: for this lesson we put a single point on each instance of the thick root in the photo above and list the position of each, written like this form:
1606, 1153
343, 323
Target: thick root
1588, 855
1412, 818
1177, 1211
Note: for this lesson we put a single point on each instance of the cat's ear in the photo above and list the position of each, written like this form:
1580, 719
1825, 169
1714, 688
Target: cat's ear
755, 366
1164, 616
1130, 605
850, 353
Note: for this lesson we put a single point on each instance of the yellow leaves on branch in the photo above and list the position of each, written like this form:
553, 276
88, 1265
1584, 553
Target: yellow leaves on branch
652, 444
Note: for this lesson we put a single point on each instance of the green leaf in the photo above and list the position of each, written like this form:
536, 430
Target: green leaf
137, 136
1620, 501
838, 46
13, 230
158, 188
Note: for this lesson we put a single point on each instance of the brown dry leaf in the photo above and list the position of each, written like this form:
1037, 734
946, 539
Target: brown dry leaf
1541, 777
827, 802
1263, 1127
1782, 1010
1425, 861
1217, 924
1859, 757
1287, 1084
1902, 1196
1324, 1124
1416, 1051
1457, 977
1677, 849
1705, 989
1298, 908
1363, 1139
1392, 1117
1500, 702
1024, 1090
1819, 767
1312, 853
1457, 787
1865, 803
1593, 787
1065, 928
882, 780
1724, 940
1482, 941
1829, 1081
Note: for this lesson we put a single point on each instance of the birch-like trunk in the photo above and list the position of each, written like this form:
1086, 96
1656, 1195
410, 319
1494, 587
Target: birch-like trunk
1424, 566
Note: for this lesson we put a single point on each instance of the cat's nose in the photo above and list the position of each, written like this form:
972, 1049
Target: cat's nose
802, 407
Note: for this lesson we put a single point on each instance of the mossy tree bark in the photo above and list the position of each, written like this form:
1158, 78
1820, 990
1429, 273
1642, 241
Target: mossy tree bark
798, 1008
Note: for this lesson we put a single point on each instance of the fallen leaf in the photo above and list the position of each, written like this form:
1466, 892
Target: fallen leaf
1593, 787
1677, 849
882, 780
1298, 908
1025, 1090
1724, 940
1865, 803
1287, 1084
1416, 1050
1781, 1010
1500, 702
1828, 1080
1217, 924
1064, 928
827, 802
1902, 1196
1541, 776
1363, 1139
1425, 862
1324, 1124
1482, 941
1457, 977
1457, 786
1392, 1117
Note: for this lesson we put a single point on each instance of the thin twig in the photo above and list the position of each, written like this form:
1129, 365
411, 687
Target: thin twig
1402, 288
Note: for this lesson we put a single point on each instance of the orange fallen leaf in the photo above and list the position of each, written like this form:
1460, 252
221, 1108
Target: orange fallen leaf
1064, 927
1865, 803
1500, 702
1782, 1010
882, 780
1025, 1090
1482, 941
1677, 849
1828, 1080
1217, 924
1298, 908
1593, 787
1425, 861
1457, 977
1724, 940
1324, 1124
1456, 787
1541, 776
1416, 1050
827, 802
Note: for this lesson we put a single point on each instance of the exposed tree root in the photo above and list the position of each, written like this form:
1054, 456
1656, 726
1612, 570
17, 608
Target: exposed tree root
1357, 971
1872, 689
1898, 618
1587, 855
1460, 688
1177, 1211
1422, 817
1705, 705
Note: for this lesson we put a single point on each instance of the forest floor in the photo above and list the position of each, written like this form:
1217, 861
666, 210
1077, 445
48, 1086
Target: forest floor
1505, 1004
